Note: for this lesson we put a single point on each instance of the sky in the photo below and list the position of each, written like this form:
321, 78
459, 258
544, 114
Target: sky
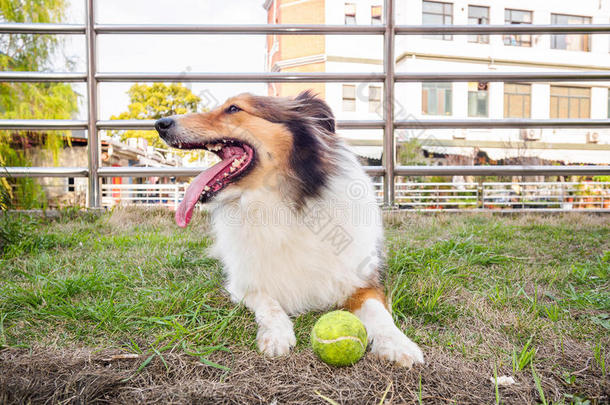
169, 53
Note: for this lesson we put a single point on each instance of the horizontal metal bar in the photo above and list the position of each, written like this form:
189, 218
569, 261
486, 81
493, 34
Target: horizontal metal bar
43, 124
126, 124
495, 194
502, 29
294, 29
372, 124
438, 197
182, 171
502, 76
43, 77
556, 192
148, 187
375, 170
348, 124
149, 124
43, 172
131, 171
539, 184
249, 29
278, 77
365, 124
37, 28
503, 123
266, 77
500, 211
437, 183
501, 170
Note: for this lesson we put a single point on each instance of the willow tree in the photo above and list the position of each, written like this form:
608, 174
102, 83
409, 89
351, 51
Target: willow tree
27, 52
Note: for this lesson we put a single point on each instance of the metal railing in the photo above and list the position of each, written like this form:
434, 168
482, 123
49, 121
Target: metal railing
414, 195
560, 195
591, 196
168, 195
389, 77
507, 196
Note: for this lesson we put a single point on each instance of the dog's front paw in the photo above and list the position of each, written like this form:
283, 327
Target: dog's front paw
393, 345
277, 340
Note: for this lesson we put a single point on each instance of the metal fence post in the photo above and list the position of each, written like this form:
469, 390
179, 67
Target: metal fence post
93, 146
388, 105
390, 169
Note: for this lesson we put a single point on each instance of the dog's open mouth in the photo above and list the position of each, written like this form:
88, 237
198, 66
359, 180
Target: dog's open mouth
236, 159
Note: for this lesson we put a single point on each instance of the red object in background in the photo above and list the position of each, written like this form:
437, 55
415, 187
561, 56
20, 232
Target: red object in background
116, 192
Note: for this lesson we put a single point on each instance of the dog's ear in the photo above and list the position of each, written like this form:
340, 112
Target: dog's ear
310, 105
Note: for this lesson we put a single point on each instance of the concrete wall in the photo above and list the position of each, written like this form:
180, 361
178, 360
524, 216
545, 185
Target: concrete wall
56, 188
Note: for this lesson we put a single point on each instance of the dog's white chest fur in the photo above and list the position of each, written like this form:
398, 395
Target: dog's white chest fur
309, 259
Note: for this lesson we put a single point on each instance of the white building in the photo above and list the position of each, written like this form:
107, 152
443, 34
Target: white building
464, 53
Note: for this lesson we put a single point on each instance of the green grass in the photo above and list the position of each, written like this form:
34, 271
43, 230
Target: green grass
499, 289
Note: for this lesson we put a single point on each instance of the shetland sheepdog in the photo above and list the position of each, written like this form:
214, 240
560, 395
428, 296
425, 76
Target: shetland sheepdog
294, 217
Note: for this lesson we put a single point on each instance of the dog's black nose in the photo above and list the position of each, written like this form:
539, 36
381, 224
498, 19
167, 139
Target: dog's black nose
163, 125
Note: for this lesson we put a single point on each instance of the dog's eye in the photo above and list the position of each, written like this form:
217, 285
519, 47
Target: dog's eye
232, 109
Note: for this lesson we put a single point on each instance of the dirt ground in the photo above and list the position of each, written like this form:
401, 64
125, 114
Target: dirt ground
83, 376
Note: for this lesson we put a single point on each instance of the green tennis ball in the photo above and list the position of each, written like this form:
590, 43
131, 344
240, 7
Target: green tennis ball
339, 338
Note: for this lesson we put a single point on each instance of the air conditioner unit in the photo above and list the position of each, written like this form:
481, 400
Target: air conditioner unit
592, 137
459, 134
529, 134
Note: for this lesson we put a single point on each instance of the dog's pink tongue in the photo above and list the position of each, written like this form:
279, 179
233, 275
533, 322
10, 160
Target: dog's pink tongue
194, 190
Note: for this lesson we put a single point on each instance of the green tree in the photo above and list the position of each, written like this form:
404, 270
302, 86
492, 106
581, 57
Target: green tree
27, 52
153, 102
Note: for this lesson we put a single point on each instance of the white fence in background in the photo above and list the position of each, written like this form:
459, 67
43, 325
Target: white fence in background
568, 195
497, 196
435, 196
168, 195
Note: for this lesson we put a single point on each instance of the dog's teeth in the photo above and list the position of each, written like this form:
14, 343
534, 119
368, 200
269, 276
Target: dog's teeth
232, 169
206, 188
226, 175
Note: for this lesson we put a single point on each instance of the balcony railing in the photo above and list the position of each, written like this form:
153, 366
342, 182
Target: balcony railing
389, 170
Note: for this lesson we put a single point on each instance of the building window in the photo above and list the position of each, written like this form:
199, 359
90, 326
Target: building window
517, 17
375, 99
517, 100
376, 15
436, 98
349, 97
478, 15
478, 99
570, 102
579, 42
437, 13
350, 13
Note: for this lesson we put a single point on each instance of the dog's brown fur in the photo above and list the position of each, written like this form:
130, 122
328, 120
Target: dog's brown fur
355, 301
272, 126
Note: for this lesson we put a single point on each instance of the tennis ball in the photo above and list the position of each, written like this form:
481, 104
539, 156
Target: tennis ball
339, 338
